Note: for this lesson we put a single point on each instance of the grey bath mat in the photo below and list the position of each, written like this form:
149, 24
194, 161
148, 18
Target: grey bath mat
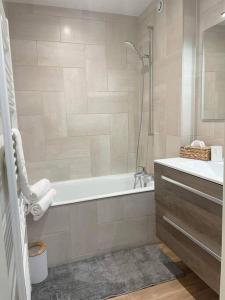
107, 275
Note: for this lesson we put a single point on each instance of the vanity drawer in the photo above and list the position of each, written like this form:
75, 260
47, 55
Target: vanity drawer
194, 204
204, 186
192, 252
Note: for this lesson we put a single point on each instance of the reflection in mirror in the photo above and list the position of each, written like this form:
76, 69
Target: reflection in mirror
213, 73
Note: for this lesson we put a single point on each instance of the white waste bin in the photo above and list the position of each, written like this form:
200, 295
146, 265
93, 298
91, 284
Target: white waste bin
38, 262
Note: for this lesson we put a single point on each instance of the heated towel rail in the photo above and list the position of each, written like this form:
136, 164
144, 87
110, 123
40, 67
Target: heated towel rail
13, 226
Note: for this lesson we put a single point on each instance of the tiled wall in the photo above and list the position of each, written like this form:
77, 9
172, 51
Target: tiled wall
81, 230
209, 15
77, 89
167, 81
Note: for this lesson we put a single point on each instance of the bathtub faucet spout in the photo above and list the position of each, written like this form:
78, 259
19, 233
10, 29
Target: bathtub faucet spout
142, 177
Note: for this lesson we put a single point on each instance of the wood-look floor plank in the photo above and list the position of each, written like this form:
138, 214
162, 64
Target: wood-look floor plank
189, 287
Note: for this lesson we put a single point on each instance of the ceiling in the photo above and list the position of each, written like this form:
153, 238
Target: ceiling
124, 7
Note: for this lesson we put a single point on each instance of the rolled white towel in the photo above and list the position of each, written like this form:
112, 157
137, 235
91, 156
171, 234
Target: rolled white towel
39, 209
198, 144
39, 190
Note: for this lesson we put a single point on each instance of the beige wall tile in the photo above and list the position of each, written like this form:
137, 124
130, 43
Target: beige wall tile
106, 102
132, 232
68, 147
54, 221
38, 78
100, 155
71, 30
159, 146
60, 54
136, 206
24, 52
33, 134
58, 248
131, 162
82, 31
37, 171
75, 90
111, 210
29, 103
83, 226
133, 121
94, 124
60, 169
94, 32
54, 115
34, 27
214, 62
54, 170
80, 167
122, 80
174, 26
121, 28
55, 126
96, 68
116, 55
96, 77
219, 130
160, 97
119, 143
173, 94
173, 144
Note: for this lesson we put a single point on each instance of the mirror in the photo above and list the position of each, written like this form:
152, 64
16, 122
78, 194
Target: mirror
213, 73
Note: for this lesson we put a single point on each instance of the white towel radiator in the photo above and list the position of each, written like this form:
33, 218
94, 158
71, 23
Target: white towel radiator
12, 217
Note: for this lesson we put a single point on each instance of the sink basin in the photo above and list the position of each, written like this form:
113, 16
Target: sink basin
209, 170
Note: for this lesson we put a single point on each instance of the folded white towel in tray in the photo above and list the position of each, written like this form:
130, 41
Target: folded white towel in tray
35, 192
39, 209
198, 144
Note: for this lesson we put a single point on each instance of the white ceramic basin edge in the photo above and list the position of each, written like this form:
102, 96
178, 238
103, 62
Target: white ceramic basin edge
212, 171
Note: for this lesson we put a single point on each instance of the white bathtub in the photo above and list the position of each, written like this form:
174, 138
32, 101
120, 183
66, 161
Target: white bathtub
75, 191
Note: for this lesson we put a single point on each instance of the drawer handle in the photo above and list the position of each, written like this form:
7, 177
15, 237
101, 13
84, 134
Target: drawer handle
194, 240
194, 191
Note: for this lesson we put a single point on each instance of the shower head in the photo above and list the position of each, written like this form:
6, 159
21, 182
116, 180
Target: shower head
131, 45
135, 49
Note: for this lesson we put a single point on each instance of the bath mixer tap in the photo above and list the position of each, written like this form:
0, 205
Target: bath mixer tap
142, 177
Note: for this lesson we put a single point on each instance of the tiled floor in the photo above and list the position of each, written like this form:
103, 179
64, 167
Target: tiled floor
189, 287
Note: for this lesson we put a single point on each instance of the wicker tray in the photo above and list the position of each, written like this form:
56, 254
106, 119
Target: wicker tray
196, 153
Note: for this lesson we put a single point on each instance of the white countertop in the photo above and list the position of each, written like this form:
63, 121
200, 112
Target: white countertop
212, 171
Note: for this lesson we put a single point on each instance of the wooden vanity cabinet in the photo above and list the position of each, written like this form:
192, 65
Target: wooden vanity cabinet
189, 220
